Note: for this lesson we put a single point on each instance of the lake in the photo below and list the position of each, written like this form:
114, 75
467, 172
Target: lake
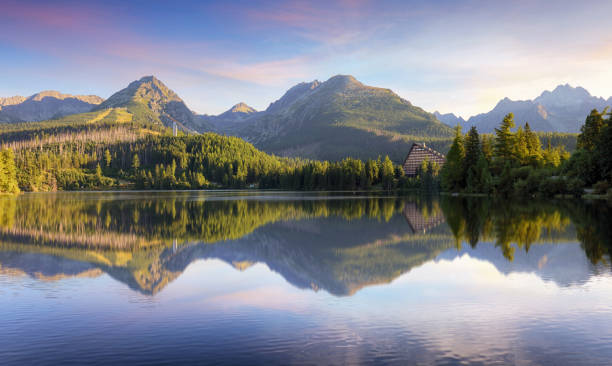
231, 277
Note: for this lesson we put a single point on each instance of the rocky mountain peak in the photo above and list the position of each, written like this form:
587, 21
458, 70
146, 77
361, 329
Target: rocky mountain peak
148, 90
161, 102
341, 82
11, 101
242, 108
563, 95
449, 119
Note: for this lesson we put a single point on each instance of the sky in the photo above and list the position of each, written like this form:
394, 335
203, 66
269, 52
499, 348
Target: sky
450, 56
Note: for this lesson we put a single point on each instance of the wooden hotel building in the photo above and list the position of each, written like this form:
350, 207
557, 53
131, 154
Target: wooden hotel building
417, 154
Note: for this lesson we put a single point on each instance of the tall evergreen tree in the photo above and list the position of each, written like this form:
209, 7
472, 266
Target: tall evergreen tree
453, 178
520, 149
504, 139
135, 162
487, 147
534, 146
604, 150
472, 148
387, 173
590, 131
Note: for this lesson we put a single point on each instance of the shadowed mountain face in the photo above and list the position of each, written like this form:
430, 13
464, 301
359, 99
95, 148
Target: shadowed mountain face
45, 105
338, 118
334, 244
562, 110
151, 100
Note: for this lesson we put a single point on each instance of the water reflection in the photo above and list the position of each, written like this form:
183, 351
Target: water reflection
338, 244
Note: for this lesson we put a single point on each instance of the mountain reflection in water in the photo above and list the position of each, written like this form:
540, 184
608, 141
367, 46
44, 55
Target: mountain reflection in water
336, 243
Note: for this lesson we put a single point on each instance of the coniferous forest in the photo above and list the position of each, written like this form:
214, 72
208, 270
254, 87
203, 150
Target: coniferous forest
520, 163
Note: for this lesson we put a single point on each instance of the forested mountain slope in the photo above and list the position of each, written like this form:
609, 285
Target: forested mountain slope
341, 117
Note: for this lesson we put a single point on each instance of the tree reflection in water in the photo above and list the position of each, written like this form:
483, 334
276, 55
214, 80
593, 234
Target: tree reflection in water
339, 244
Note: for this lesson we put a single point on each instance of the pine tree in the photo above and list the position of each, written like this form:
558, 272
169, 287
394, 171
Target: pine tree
472, 148
484, 180
371, 172
604, 151
487, 147
135, 162
534, 146
504, 139
590, 131
551, 156
107, 158
98, 175
520, 149
387, 173
452, 172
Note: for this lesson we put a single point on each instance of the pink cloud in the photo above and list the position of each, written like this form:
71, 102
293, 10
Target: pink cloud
54, 16
336, 22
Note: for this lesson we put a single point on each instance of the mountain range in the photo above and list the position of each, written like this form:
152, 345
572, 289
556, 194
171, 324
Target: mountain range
563, 109
232, 119
45, 105
327, 120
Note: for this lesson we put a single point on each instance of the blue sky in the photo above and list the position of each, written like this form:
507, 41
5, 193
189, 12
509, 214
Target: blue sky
451, 56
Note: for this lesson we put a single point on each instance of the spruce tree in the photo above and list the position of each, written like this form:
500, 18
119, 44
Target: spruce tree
135, 162
534, 146
504, 139
590, 131
472, 148
453, 178
520, 149
107, 158
387, 173
604, 150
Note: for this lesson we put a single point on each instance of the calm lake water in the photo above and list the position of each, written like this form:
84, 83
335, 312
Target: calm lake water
302, 278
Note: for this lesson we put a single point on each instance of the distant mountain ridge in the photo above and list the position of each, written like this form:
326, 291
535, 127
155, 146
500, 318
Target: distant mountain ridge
11, 101
449, 118
230, 119
45, 105
563, 109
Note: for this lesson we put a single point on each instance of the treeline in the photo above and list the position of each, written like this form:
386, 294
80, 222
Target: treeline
518, 163
592, 161
348, 174
193, 162
213, 161
8, 176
